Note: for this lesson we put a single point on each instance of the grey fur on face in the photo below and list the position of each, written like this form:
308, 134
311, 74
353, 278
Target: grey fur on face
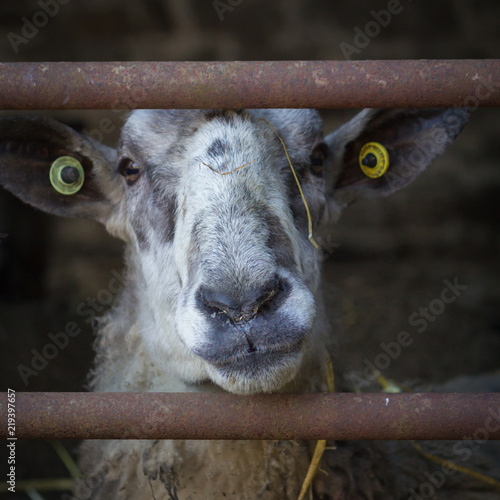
236, 240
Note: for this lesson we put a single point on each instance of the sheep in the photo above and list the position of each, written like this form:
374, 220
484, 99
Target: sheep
223, 276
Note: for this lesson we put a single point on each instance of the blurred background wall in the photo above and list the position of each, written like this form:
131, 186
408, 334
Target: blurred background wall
391, 256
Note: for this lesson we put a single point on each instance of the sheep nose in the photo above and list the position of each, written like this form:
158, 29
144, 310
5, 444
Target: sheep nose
239, 309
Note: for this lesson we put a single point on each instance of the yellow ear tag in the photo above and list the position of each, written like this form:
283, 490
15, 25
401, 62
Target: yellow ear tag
66, 175
374, 160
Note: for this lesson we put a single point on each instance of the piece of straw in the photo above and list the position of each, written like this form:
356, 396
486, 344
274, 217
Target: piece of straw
394, 387
34, 495
180, 208
451, 465
225, 165
309, 219
388, 385
66, 459
321, 444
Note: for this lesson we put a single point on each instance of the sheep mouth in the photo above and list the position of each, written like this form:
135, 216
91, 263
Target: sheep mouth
256, 371
250, 355
253, 358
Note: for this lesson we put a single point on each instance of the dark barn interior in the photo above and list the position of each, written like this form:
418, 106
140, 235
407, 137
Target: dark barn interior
386, 258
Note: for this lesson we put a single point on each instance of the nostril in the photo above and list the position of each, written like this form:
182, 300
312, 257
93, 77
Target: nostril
218, 300
242, 307
264, 295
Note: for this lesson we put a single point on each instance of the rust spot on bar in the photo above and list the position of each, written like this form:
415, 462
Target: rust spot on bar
258, 84
339, 416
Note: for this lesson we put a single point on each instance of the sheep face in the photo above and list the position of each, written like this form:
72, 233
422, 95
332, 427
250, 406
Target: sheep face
225, 259
224, 275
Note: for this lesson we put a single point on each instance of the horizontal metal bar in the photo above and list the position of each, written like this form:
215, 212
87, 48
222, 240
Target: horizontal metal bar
278, 416
268, 84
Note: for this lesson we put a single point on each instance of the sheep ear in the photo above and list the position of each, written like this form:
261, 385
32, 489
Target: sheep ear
28, 148
413, 138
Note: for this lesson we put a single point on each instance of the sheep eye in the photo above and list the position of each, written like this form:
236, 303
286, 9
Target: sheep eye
130, 170
318, 158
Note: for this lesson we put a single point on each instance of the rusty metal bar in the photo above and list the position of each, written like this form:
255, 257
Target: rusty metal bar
279, 416
268, 84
